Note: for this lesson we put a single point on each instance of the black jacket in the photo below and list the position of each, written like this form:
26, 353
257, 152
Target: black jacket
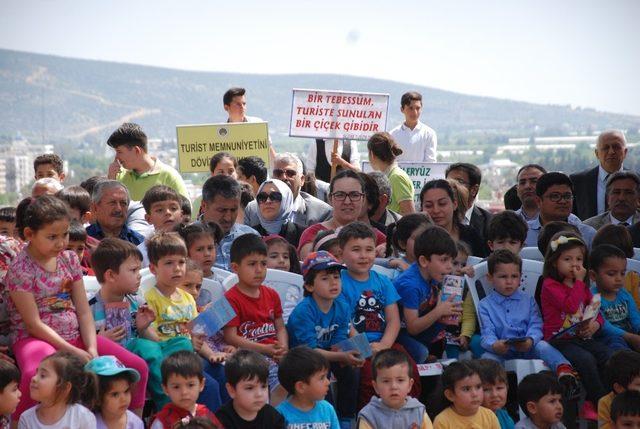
585, 193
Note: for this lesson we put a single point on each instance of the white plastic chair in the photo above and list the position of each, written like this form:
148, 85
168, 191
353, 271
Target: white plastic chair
531, 272
145, 271
219, 272
633, 265
532, 253
389, 273
473, 260
215, 288
290, 287
636, 253
91, 286
146, 283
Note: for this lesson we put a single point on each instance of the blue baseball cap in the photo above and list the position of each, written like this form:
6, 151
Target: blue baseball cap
109, 365
320, 260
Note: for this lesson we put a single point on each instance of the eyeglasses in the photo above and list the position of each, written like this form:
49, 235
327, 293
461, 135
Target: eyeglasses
341, 196
278, 172
262, 197
556, 197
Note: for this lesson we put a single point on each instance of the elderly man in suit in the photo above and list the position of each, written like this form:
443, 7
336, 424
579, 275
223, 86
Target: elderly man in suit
469, 176
623, 191
589, 185
308, 209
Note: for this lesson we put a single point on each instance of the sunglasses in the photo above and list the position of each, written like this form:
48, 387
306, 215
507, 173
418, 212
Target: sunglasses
263, 196
280, 173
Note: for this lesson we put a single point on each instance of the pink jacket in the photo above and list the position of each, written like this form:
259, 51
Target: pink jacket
559, 302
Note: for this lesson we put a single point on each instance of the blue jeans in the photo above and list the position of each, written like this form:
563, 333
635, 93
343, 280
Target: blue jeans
614, 342
416, 345
543, 350
210, 395
216, 371
476, 349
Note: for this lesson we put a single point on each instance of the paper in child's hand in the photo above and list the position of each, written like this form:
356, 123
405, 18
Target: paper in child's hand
214, 318
359, 343
452, 286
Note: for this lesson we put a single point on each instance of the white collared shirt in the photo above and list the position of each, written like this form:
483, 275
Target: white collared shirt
467, 215
602, 188
418, 145
615, 221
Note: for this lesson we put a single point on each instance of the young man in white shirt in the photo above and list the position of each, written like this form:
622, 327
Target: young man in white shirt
418, 141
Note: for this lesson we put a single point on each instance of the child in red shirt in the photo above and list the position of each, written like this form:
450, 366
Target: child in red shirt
258, 324
182, 381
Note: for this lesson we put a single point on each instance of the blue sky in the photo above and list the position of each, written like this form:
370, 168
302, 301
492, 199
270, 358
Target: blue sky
583, 53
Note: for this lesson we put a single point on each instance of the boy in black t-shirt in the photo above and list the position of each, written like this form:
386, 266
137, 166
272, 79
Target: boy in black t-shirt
247, 374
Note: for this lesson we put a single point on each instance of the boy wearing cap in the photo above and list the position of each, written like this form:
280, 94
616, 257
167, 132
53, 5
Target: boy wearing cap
115, 383
320, 321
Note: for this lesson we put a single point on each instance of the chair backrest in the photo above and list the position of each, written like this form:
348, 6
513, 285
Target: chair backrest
633, 265
636, 253
91, 286
145, 271
532, 253
146, 283
290, 288
474, 260
389, 273
531, 273
219, 272
215, 288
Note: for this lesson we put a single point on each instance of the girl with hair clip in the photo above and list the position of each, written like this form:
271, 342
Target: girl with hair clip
48, 308
565, 297
64, 391
328, 241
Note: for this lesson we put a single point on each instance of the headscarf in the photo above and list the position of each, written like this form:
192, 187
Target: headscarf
286, 207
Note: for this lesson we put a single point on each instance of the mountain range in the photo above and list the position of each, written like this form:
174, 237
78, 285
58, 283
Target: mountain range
76, 99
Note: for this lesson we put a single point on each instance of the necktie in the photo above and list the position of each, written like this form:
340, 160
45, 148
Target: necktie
606, 203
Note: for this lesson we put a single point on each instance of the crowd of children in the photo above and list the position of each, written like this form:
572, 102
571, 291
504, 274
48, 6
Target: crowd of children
71, 361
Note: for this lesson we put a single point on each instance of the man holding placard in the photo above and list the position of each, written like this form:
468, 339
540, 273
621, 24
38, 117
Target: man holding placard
235, 104
418, 141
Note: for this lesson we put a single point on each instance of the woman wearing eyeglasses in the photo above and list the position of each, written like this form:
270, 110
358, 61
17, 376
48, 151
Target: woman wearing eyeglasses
383, 151
347, 198
275, 207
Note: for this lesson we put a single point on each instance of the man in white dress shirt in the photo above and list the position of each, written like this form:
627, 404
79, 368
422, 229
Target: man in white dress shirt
418, 141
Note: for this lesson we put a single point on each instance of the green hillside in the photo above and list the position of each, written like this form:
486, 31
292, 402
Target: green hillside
69, 99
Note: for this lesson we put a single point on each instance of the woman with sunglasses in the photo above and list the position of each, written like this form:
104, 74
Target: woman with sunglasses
275, 207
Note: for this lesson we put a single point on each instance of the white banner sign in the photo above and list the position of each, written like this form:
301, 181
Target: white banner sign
419, 172
337, 114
